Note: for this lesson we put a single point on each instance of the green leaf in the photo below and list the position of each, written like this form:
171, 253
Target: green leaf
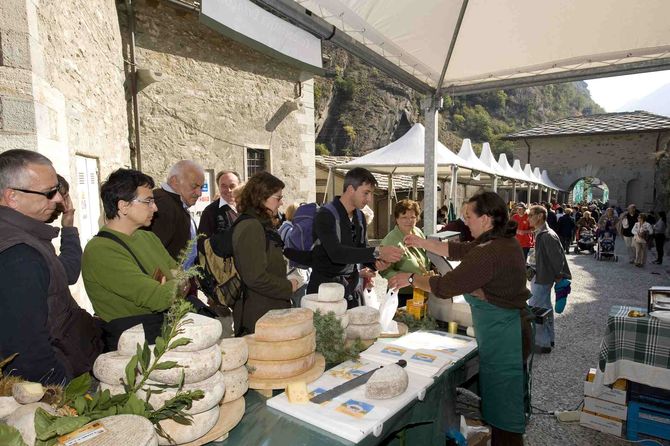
146, 357
65, 425
80, 404
77, 387
43, 422
9, 436
166, 365
179, 342
130, 371
160, 347
134, 406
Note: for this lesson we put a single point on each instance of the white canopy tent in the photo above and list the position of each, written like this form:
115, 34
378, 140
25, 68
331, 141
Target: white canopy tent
429, 45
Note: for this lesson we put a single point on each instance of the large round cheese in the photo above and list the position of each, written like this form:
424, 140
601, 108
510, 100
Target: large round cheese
197, 366
280, 350
284, 324
310, 301
237, 383
367, 331
330, 292
363, 315
110, 368
7, 405
344, 320
181, 433
23, 420
387, 382
231, 414
121, 428
201, 330
280, 369
234, 353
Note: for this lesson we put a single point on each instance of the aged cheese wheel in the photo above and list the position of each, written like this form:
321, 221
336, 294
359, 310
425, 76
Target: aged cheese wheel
7, 405
23, 420
280, 350
363, 315
110, 368
237, 383
310, 301
344, 320
330, 292
121, 428
27, 392
280, 369
197, 366
201, 330
368, 331
180, 433
387, 382
284, 324
234, 353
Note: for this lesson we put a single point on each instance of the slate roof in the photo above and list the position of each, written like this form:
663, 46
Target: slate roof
400, 181
624, 122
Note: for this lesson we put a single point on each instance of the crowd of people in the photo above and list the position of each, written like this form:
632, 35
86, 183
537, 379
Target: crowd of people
510, 261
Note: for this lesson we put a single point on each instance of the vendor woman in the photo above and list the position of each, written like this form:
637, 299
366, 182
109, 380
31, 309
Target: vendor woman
492, 276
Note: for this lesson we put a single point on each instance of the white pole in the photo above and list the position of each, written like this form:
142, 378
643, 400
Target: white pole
495, 183
430, 168
390, 194
415, 188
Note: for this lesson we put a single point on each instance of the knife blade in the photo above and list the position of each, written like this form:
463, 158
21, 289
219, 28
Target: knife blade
349, 385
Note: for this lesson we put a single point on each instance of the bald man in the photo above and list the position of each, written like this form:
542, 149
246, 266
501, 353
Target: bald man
172, 223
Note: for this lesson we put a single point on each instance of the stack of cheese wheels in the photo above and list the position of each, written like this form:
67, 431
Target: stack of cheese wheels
330, 298
283, 345
363, 325
199, 361
234, 354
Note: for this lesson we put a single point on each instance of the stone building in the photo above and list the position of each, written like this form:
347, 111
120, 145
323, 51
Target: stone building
66, 91
625, 151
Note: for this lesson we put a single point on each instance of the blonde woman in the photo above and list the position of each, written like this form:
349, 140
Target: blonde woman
642, 231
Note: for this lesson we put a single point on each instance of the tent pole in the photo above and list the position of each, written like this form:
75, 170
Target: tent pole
325, 190
453, 185
430, 169
495, 183
530, 187
415, 188
389, 194
514, 191
331, 175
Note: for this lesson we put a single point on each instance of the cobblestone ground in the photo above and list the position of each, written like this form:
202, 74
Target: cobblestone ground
558, 376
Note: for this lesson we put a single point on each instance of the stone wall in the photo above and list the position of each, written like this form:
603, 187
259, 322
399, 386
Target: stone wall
626, 163
218, 98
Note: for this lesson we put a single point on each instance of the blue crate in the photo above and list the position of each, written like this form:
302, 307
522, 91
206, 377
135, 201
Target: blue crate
648, 419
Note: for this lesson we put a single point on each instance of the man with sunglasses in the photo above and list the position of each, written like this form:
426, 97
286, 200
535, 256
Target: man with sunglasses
55, 339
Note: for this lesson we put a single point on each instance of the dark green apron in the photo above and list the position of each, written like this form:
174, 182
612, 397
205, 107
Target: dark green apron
502, 380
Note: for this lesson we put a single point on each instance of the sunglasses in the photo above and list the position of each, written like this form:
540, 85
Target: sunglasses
48, 194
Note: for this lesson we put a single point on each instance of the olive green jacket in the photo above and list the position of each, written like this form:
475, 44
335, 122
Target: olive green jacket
414, 260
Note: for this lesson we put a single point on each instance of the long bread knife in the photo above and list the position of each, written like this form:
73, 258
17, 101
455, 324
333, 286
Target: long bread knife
349, 385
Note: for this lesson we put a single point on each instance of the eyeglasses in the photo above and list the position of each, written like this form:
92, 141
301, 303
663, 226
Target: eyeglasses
278, 197
48, 194
147, 201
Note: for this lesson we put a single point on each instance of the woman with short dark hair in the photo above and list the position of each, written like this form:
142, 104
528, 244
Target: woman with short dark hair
257, 249
492, 276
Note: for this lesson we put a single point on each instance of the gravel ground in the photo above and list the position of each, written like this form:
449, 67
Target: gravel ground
558, 376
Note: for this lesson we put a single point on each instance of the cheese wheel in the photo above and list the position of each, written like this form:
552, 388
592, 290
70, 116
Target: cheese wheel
182, 433
237, 383
110, 368
231, 414
280, 369
197, 366
280, 350
7, 405
310, 301
201, 330
23, 420
120, 428
234, 353
363, 315
285, 324
387, 382
330, 292
27, 392
344, 320
365, 332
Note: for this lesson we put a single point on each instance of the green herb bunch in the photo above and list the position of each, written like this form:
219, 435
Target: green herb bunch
330, 339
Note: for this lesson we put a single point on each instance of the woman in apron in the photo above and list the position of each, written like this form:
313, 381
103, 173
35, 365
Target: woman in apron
492, 277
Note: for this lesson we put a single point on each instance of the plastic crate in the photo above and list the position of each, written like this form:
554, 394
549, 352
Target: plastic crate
647, 419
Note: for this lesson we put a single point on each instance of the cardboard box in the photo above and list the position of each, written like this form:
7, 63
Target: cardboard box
616, 393
602, 407
417, 310
601, 423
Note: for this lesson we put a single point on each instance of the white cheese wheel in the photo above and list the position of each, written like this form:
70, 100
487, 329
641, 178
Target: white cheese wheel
110, 368
121, 428
237, 383
7, 405
23, 420
201, 330
197, 366
310, 301
331, 292
234, 353
280, 369
231, 414
387, 382
280, 350
363, 315
27, 392
365, 332
181, 433
285, 324
344, 320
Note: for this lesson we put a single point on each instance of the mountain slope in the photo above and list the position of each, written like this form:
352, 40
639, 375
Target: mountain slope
657, 102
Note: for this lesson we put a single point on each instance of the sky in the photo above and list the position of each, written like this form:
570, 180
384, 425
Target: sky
614, 92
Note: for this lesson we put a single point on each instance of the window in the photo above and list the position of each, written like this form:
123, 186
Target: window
256, 161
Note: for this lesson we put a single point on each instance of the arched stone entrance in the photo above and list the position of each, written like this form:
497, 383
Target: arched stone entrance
589, 189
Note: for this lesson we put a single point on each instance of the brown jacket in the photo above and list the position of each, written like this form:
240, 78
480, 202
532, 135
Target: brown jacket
172, 223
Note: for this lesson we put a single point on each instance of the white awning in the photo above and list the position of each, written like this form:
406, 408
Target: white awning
468, 155
489, 160
547, 181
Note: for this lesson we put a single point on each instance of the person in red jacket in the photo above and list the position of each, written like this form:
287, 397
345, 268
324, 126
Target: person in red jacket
524, 233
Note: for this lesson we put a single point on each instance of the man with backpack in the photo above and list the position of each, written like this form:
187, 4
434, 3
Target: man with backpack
340, 239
